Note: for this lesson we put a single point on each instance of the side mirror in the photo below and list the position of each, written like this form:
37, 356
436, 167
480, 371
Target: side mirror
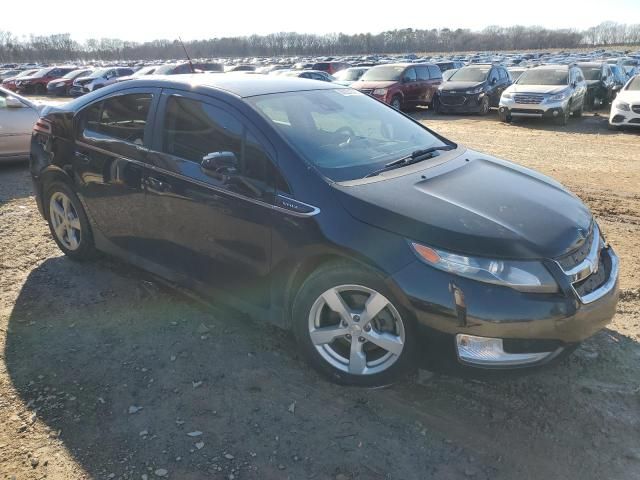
494, 81
13, 102
220, 165
574, 84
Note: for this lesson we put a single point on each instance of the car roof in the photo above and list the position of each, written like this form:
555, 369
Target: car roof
236, 84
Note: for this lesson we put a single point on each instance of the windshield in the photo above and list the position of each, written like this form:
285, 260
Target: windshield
41, 73
26, 73
349, 75
546, 76
72, 73
98, 73
144, 71
634, 84
164, 69
383, 73
344, 133
591, 73
471, 74
515, 74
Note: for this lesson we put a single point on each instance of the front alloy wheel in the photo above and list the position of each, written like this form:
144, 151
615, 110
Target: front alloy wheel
356, 330
350, 327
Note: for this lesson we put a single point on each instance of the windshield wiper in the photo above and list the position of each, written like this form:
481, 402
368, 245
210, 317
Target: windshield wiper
415, 157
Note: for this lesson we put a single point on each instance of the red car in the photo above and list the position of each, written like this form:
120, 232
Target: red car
10, 83
37, 83
61, 86
401, 85
330, 67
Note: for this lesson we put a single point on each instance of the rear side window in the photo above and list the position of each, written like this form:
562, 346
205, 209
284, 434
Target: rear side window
435, 72
422, 72
123, 117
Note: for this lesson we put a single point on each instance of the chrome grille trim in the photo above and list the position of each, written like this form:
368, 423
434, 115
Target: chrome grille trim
528, 98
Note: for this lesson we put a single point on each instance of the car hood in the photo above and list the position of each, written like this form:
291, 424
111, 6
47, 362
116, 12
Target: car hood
546, 89
460, 86
377, 84
473, 204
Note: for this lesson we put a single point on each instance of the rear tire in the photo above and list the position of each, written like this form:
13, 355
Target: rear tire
68, 222
344, 346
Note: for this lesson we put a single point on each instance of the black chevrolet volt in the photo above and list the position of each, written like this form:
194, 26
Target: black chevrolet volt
322, 210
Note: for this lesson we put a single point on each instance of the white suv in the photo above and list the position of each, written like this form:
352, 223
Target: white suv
625, 109
548, 91
98, 79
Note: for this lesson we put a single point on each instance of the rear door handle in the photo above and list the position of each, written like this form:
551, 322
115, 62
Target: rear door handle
83, 158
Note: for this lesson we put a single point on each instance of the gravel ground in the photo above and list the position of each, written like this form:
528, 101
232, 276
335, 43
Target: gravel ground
107, 373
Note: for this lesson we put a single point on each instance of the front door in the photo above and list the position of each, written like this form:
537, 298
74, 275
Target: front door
211, 226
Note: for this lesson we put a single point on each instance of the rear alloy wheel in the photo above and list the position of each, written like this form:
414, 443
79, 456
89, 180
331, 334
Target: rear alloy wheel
396, 103
484, 105
352, 331
68, 222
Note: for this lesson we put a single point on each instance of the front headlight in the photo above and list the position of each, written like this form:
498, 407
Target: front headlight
474, 91
524, 276
507, 95
380, 91
558, 97
622, 106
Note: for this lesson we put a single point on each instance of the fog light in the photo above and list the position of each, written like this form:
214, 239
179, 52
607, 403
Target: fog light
555, 113
489, 352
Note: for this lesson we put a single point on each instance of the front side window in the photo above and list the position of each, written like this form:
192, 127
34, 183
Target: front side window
410, 75
344, 133
193, 129
123, 117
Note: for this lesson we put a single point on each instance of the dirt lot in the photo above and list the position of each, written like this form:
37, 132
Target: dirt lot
105, 373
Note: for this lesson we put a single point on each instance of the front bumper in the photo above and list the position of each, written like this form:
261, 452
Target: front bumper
629, 118
76, 91
57, 90
459, 102
526, 322
543, 109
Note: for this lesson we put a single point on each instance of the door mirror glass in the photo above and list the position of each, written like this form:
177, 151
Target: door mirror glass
220, 165
494, 80
12, 102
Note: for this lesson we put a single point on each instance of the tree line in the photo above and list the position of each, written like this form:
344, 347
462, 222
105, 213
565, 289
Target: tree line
61, 47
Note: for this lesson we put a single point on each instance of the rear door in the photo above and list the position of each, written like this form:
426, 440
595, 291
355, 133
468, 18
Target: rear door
111, 163
411, 86
211, 227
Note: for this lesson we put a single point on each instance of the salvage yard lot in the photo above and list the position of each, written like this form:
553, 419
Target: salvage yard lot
83, 343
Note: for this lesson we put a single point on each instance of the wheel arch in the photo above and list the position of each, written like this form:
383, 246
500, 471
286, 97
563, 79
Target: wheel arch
50, 174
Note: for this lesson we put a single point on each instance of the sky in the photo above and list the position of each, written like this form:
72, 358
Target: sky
137, 20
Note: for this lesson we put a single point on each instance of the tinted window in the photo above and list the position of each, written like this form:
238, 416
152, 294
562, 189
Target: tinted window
123, 117
422, 72
193, 130
435, 72
502, 74
410, 75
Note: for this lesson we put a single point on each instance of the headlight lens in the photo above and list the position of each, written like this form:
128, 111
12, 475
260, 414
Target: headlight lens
558, 97
524, 276
623, 106
474, 91
507, 95
380, 91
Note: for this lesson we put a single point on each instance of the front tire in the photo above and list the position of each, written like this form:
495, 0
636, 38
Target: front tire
40, 89
396, 102
68, 222
504, 116
350, 328
484, 106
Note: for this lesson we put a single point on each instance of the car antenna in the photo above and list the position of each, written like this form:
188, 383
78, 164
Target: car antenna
187, 55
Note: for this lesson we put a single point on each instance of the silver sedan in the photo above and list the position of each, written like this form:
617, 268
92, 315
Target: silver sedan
17, 116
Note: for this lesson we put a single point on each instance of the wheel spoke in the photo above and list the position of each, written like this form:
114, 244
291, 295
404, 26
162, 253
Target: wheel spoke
387, 341
335, 303
75, 223
357, 358
375, 304
324, 335
58, 209
71, 236
60, 229
66, 206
